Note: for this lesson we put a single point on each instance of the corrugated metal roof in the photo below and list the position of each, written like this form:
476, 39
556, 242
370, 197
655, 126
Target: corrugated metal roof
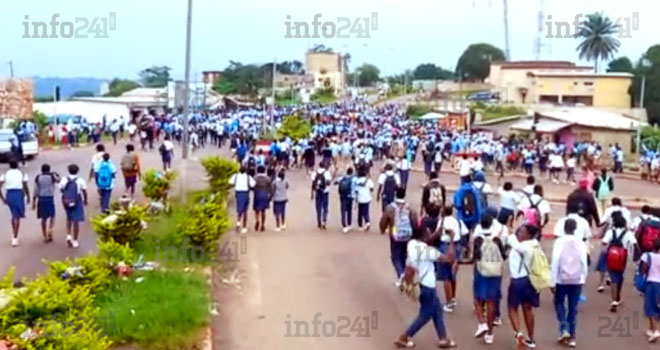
544, 125
592, 117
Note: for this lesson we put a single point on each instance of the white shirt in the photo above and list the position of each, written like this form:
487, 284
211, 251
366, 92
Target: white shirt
582, 230
450, 223
382, 177
541, 204
363, 188
556, 161
168, 145
634, 225
529, 189
328, 178
628, 238
508, 199
14, 179
518, 251
96, 159
241, 182
404, 164
557, 249
607, 216
465, 168
571, 162
497, 229
483, 187
81, 184
421, 257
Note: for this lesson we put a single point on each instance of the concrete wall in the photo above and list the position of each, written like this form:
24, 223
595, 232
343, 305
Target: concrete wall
605, 137
612, 92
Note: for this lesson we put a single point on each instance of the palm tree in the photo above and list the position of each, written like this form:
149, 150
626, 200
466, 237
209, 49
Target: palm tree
598, 42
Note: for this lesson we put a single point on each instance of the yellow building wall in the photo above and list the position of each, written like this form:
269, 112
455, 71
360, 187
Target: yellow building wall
612, 92
607, 92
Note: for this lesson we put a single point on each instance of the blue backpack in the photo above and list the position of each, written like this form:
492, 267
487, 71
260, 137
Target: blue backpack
468, 203
104, 176
640, 277
70, 193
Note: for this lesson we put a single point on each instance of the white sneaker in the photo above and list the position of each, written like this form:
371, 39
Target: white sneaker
447, 308
75, 244
453, 303
277, 229
15, 242
489, 338
244, 230
481, 330
283, 227
345, 230
497, 322
654, 337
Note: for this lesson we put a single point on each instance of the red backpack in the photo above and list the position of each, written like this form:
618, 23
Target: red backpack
649, 233
617, 254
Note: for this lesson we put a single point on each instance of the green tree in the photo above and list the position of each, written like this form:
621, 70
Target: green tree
83, 93
597, 35
119, 86
474, 63
620, 65
431, 71
224, 86
321, 48
368, 74
155, 76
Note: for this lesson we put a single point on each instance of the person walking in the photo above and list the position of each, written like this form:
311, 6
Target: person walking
263, 191
96, 159
17, 194
280, 197
650, 267
397, 222
618, 240
74, 200
131, 168
44, 200
346, 186
242, 183
363, 189
447, 272
166, 150
569, 272
420, 270
388, 182
105, 181
603, 186
320, 194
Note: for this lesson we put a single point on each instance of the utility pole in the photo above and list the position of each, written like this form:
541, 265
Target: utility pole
272, 106
184, 152
639, 122
11, 69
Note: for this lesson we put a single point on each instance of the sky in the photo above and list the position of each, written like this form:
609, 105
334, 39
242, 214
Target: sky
153, 32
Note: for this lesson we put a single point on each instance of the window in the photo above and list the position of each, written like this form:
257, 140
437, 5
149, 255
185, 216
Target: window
588, 83
575, 83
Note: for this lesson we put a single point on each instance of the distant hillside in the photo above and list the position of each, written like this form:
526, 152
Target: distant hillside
68, 86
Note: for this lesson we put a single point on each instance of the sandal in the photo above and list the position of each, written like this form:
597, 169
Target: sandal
447, 344
408, 344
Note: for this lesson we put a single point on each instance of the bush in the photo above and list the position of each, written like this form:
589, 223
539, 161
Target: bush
60, 314
121, 225
205, 223
157, 184
114, 253
295, 127
219, 170
95, 273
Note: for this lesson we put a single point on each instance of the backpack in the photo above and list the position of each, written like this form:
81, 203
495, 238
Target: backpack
389, 187
604, 188
532, 215
491, 262
435, 194
649, 232
539, 269
468, 204
319, 181
640, 277
345, 186
104, 176
402, 229
570, 263
617, 254
70, 193
129, 162
484, 198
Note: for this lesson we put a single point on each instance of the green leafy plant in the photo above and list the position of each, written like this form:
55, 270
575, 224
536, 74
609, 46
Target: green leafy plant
95, 273
205, 223
156, 184
120, 225
219, 170
113, 252
295, 127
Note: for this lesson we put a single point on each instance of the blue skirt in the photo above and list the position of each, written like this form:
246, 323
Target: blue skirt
76, 213
601, 265
522, 292
486, 288
242, 202
443, 270
279, 208
16, 203
651, 299
46, 208
504, 215
261, 200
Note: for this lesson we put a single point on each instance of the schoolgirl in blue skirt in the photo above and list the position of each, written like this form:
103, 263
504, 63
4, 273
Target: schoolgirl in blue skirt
17, 194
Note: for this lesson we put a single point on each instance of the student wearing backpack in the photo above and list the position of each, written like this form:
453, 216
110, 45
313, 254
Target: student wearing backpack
131, 169
434, 192
484, 188
650, 267
321, 181
44, 200
403, 165
263, 192
584, 201
617, 240
420, 272
363, 190
166, 150
242, 183
638, 220
96, 159
74, 200
509, 200
569, 273
280, 197
447, 272
603, 187
469, 208
530, 273
489, 256
388, 182
346, 186
533, 209
397, 222
105, 181
15, 183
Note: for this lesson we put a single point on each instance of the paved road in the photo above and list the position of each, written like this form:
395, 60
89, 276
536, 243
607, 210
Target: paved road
291, 276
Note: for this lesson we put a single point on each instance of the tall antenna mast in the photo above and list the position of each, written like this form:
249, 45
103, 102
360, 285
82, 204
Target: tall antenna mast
538, 44
507, 50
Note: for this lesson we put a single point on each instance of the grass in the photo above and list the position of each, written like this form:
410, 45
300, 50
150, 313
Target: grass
165, 311
493, 112
324, 99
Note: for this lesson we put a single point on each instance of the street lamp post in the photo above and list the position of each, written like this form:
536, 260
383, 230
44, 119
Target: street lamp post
184, 152
645, 63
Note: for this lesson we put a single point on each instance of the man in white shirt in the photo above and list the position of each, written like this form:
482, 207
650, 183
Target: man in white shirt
582, 231
465, 169
96, 159
569, 270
